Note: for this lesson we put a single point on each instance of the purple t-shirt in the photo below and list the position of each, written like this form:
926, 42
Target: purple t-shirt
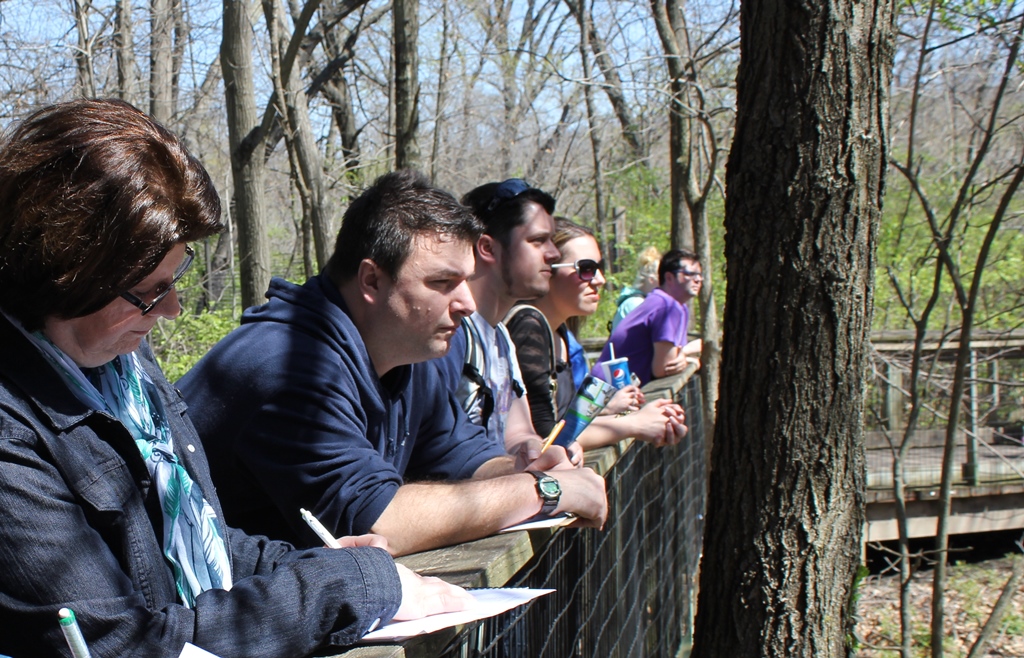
658, 318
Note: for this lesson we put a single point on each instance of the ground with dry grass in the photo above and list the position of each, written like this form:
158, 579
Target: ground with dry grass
973, 590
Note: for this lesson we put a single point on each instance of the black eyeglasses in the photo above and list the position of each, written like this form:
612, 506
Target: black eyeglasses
586, 268
689, 273
509, 189
178, 273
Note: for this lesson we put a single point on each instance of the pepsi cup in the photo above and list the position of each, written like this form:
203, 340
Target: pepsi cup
616, 372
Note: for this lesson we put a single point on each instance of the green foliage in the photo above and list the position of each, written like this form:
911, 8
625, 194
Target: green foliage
179, 343
907, 254
862, 572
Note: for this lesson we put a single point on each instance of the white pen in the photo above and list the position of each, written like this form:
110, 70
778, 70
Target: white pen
73, 634
317, 527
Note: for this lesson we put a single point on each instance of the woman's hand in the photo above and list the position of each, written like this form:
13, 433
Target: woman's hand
627, 398
661, 423
423, 596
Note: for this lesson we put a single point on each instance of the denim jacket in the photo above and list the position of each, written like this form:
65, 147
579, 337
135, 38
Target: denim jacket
80, 526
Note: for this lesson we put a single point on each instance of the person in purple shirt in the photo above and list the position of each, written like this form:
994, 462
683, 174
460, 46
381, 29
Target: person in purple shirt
653, 336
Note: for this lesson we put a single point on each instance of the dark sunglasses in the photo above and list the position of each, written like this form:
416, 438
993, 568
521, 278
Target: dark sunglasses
586, 268
509, 189
689, 273
178, 273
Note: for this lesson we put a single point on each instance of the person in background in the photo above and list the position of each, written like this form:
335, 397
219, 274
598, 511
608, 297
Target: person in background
544, 354
322, 398
654, 336
632, 296
106, 503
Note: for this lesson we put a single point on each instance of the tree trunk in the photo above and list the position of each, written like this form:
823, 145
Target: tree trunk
181, 39
336, 91
666, 14
304, 156
442, 86
407, 88
161, 64
711, 353
583, 18
124, 52
612, 86
83, 55
247, 168
220, 268
335, 88
805, 180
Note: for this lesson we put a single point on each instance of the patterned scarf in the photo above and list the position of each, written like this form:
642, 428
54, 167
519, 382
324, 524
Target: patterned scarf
192, 539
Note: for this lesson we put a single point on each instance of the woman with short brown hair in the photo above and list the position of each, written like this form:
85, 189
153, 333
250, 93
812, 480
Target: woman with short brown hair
106, 503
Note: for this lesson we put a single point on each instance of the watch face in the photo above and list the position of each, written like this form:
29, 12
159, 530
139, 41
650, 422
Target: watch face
549, 487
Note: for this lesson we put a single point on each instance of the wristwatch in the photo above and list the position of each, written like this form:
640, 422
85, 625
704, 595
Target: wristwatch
549, 490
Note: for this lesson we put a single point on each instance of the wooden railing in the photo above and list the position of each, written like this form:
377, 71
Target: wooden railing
627, 590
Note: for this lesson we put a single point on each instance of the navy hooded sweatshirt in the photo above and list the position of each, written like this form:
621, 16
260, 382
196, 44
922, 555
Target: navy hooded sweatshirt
293, 415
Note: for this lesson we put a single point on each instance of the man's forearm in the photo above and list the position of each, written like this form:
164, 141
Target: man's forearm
422, 516
666, 359
497, 467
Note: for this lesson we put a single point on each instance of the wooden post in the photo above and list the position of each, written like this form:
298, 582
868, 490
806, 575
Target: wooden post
619, 233
971, 464
894, 398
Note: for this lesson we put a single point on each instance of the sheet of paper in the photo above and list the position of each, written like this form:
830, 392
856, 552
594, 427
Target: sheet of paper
489, 602
192, 651
543, 522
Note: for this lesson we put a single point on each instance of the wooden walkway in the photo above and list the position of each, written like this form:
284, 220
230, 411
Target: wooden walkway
995, 502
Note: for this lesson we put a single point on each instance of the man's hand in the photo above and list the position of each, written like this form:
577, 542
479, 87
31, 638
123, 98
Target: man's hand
526, 452
583, 494
424, 596
555, 458
676, 364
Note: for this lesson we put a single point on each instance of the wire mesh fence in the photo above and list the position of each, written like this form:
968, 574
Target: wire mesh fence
628, 590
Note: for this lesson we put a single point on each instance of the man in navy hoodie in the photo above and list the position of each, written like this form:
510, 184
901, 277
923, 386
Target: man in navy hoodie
321, 399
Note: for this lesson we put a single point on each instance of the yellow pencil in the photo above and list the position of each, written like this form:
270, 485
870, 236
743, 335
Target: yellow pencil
552, 435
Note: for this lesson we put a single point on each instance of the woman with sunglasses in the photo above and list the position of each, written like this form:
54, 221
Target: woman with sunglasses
544, 355
106, 503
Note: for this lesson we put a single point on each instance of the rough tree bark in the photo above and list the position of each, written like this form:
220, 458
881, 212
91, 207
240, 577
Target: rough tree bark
124, 52
407, 86
247, 167
443, 62
805, 179
668, 21
83, 54
161, 64
595, 137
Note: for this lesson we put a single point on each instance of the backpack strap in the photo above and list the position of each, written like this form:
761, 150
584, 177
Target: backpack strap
476, 389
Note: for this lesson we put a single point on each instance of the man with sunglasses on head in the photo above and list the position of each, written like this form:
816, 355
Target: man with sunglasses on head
654, 335
322, 400
514, 257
